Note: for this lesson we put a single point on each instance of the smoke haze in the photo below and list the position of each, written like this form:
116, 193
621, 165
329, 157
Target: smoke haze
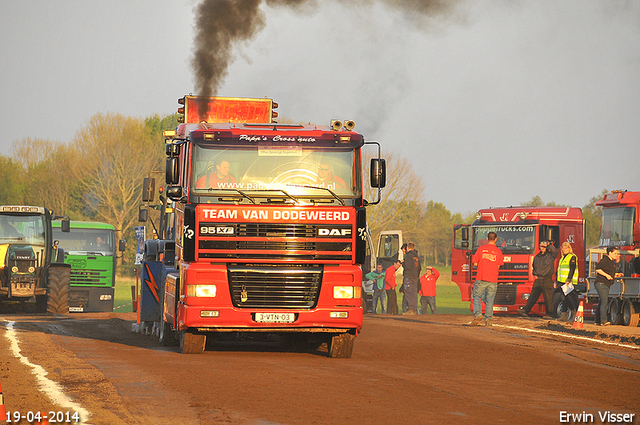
222, 24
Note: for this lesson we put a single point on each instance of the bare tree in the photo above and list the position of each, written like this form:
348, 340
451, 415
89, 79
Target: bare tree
13, 184
49, 170
401, 200
437, 232
32, 152
116, 153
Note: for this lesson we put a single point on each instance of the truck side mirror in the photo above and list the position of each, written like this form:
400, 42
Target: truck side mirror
143, 215
174, 192
65, 226
148, 189
171, 170
464, 234
378, 173
122, 244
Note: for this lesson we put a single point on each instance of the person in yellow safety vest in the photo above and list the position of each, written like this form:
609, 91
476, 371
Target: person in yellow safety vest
3, 254
568, 275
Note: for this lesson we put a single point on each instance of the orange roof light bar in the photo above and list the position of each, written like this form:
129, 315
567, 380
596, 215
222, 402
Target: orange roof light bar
226, 109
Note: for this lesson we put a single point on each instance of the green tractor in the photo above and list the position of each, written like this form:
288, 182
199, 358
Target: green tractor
31, 265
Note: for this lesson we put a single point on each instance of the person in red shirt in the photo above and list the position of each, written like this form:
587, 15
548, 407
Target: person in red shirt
428, 290
390, 287
220, 178
488, 259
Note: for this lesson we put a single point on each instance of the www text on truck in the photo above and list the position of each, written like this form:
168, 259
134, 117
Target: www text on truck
31, 265
266, 224
520, 231
91, 251
620, 227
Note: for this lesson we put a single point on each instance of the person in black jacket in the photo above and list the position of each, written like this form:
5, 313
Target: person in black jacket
543, 269
412, 268
605, 275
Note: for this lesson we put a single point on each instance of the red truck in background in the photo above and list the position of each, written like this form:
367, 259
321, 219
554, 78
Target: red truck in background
620, 228
519, 230
264, 228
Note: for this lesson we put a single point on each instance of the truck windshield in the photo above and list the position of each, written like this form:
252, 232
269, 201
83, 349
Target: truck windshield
86, 241
514, 239
297, 171
617, 226
28, 229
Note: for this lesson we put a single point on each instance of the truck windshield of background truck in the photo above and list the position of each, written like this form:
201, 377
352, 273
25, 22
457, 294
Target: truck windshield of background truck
27, 229
293, 169
86, 241
512, 238
617, 226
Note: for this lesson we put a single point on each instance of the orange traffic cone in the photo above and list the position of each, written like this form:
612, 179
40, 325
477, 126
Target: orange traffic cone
3, 410
578, 322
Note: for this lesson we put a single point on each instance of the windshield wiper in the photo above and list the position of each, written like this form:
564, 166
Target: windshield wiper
269, 200
244, 195
328, 190
293, 198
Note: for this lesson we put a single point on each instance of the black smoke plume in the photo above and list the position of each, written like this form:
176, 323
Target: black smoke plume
220, 24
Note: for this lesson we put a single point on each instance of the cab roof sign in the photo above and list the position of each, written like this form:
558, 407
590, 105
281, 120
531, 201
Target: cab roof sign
198, 109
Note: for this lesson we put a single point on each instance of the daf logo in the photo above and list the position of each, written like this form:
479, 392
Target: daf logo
334, 232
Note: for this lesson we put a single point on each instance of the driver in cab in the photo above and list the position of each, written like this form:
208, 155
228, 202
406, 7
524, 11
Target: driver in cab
328, 180
219, 178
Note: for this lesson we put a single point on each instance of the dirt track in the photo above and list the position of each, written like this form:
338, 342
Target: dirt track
417, 369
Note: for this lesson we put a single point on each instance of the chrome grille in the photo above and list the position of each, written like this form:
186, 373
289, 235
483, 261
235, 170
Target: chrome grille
269, 230
88, 276
506, 295
262, 286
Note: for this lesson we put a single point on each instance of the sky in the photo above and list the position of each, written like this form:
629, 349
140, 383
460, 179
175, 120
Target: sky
493, 102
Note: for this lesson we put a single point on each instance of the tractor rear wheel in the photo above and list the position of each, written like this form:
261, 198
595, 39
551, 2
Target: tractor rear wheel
58, 290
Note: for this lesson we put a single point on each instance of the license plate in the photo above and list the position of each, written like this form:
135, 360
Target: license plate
275, 317
76, 309
500, 308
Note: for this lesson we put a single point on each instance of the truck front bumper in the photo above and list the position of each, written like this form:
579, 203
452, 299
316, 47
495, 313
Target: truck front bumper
210, 319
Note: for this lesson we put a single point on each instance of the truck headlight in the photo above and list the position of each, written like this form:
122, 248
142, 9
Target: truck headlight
525, 296
347, 292
14, 269
202, 291
32, 269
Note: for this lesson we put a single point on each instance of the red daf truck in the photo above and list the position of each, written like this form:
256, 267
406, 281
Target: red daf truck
620, 228
265, 228
519, 230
